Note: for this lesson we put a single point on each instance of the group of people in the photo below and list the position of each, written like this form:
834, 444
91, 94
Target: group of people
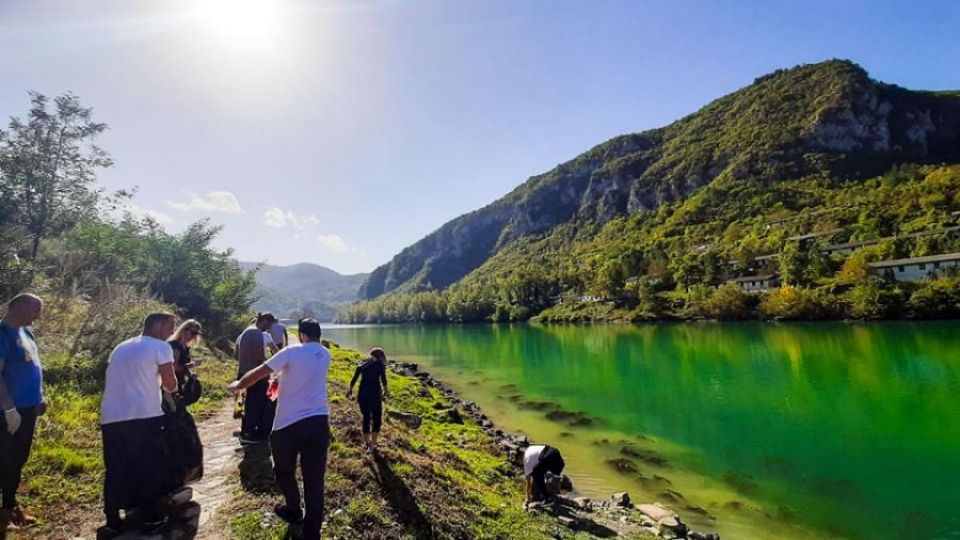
148, 385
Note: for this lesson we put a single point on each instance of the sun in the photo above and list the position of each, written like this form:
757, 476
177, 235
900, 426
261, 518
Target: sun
240, 22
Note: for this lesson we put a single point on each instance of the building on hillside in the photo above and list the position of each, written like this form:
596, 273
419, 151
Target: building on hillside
847, 247
917, 268
758, 283
805, 240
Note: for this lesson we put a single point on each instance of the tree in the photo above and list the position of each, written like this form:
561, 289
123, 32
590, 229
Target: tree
47, 168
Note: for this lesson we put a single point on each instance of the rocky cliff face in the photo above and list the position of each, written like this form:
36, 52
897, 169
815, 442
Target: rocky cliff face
828, 118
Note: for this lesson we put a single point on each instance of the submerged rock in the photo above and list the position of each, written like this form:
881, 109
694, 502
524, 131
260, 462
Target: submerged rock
623, 466
643, 454
740, 481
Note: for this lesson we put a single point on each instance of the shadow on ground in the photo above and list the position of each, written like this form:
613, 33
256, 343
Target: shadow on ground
256, 469
401, 499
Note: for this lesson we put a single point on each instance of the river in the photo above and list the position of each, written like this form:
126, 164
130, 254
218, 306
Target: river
756, 430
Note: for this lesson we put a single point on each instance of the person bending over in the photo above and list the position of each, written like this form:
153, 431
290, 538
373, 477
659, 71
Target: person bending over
537, 460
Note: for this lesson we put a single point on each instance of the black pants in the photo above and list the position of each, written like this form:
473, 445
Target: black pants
308, 439
133, 456
372, 411
550, 460
254, 424
14, 450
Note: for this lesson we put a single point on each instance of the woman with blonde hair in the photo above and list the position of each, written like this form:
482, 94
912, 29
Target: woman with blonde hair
186, 337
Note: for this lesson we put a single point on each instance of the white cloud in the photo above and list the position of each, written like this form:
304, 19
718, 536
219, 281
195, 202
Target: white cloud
282, 219
141, 212
215, 201
333, 242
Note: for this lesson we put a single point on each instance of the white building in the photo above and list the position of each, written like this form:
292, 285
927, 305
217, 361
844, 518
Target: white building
917, 268
759, 283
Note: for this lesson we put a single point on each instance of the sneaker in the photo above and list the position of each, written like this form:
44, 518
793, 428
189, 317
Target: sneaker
6, 522
288, 514
21, 518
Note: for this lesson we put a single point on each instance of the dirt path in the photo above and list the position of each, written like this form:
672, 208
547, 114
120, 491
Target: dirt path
198, 518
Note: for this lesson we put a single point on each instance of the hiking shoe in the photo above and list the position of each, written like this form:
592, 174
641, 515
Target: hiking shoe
6, 522
288, 514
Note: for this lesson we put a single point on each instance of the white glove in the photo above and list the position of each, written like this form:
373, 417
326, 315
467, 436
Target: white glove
13, 419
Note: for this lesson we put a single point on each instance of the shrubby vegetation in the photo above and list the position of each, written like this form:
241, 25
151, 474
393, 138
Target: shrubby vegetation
100, 271
673, 263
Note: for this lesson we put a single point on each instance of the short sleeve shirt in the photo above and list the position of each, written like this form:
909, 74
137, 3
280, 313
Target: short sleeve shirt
277, 331
303, 383
132, 389
22, 371
531, 458
248, 361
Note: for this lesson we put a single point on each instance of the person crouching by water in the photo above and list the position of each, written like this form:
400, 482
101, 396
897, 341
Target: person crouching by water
537, 460
371, 372
131, 422
301, 426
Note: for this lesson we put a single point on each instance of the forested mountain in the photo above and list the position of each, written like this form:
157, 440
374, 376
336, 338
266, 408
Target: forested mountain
303, 288
822, 137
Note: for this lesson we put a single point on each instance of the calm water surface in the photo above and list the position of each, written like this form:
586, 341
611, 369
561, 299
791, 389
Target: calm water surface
824, 430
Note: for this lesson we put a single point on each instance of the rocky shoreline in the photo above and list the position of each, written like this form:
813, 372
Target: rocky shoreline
613, 517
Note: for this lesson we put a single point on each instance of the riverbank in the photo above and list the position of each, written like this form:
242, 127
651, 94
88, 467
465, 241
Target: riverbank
442, 471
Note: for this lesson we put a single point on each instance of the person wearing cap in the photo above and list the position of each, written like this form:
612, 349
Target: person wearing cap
301, 427
251, 354
21, 396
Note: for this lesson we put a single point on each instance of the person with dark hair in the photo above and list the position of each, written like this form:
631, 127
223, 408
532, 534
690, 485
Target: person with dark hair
251, 354
301, 427
21, 396
371, 372
537, 460
131, 424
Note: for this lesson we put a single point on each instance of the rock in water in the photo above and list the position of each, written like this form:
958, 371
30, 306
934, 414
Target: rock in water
621, 499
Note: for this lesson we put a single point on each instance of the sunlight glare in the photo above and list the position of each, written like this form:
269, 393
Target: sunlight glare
243, 22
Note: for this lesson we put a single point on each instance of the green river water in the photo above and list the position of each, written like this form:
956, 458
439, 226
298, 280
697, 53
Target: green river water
821, 430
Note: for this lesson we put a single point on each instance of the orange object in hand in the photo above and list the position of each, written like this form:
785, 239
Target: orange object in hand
273, 390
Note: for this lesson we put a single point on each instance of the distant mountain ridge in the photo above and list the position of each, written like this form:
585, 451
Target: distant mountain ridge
828, 119
303, 289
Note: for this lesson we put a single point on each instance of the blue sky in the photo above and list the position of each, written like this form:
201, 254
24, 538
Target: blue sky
340, 132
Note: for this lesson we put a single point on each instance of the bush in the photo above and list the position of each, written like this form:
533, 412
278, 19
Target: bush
796, 303
936, 298
730, 303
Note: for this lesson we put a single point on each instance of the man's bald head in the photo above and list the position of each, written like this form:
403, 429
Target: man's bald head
23, 309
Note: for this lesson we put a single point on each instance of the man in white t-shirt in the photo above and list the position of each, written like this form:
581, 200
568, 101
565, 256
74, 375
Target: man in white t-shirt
301, 426
537, 460
131, 423
279, 334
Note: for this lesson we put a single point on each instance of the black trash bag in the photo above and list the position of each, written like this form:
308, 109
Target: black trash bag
182, 445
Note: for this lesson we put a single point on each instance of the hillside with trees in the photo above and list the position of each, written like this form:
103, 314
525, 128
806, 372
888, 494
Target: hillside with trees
656, 225
303, 289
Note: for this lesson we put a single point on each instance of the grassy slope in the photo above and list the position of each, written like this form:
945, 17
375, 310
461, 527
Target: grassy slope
440, 481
